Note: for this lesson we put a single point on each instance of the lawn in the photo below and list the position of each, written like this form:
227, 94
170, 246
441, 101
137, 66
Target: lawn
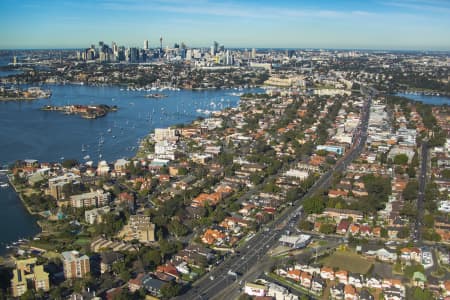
348, 261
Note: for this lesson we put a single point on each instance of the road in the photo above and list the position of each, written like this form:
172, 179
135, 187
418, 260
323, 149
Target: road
250, 259
421, 195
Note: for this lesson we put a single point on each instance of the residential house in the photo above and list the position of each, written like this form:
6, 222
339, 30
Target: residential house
356, 280
350, 292
306, 280
135, 284
341, 276
318, 284
342, 227
294, 274
213, 236
337, 291
327, 273
107, 259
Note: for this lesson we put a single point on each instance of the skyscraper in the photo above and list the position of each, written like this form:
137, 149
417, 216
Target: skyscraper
146, 45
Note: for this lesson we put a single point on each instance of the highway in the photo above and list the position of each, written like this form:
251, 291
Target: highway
250, 259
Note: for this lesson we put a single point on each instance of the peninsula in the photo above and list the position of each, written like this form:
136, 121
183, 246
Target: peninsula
32, 93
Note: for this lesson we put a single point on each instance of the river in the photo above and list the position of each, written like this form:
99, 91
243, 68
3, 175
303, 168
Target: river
30, 133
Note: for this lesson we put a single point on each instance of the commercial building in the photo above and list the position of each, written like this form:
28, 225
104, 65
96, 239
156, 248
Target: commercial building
295, 241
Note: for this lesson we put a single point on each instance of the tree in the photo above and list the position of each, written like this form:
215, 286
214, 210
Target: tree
177, 228
170, 290
410, 191
401, 159
314, 205
403, 233
69, 163
327, 228
151, 258
428, 221
305, 225
445, 173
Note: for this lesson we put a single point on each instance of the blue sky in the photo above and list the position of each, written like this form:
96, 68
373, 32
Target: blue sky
369, 24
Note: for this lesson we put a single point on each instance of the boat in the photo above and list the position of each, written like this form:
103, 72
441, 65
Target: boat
4, 185
82, 148
109, 130
86, 157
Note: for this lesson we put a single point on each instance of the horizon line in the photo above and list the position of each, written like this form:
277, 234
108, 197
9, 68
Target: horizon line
242, 47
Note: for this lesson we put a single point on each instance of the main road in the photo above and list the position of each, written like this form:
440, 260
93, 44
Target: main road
421, 196
250, 259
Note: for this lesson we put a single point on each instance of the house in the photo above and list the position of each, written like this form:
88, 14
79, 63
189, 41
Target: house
294, 274
182, 267
107, 259
342, 227
396, 283
341, 276
419, 279
327, 273
365, 230
374, 283
318, 284
365, 295
393, 293
337, 291
383, 255
445, 286
306, 280
211, 236
152, 285
168, 269
376, 231
354, 229
350, 292
410, 254
135, 284
356, 280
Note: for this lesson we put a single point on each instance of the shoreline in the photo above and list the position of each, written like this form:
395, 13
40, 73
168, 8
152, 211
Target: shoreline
19, 194
18, 99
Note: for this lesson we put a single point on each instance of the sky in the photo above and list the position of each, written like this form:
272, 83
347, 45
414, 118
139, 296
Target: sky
352, 24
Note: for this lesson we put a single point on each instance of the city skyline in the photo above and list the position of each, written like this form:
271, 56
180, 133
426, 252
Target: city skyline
400, 24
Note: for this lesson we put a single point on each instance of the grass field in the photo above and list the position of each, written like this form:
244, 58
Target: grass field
348, 261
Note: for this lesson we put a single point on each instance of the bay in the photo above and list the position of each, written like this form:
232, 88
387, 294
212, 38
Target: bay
427, 99
27, 132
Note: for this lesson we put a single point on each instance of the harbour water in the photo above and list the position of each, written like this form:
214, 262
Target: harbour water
427, 99
30, 133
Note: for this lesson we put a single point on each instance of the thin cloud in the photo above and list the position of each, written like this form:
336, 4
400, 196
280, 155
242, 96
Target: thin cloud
421, 5
203, 7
